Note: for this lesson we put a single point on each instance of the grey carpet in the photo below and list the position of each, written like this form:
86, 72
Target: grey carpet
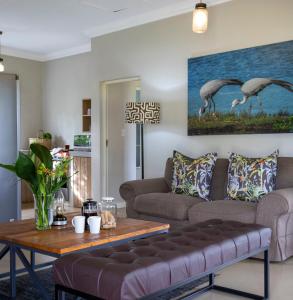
26, 290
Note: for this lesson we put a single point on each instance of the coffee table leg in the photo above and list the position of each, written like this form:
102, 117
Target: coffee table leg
35, 279
33, 259
12, 272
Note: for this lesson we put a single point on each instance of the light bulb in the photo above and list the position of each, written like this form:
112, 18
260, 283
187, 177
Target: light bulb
200, 18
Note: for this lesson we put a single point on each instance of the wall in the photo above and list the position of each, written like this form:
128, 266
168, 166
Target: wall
121, 136
158, 53
65, 83
30, 73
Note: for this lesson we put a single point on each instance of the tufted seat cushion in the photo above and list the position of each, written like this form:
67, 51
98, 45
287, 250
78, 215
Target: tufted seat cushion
165, 205
231, 210
145, 266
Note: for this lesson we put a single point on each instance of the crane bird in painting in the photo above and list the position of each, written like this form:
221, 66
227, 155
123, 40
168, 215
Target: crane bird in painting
254, 86
209, 90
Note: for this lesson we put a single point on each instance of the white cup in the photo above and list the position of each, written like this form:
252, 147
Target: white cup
78, 222
94, 223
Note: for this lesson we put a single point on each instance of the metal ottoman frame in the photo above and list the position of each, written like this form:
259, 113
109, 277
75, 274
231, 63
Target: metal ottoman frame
61, 290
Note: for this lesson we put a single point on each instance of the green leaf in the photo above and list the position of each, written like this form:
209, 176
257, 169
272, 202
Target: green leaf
43, 154
25, 169
10, 168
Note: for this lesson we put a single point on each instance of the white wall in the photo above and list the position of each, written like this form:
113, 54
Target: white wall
30, 73
158, 53
121, 137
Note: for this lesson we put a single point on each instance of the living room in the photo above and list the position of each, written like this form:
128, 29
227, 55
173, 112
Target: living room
65, 69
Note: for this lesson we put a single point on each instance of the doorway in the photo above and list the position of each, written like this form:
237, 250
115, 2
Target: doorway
9, 141
120, 141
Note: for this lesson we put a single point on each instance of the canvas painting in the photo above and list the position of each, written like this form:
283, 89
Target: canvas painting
242, 91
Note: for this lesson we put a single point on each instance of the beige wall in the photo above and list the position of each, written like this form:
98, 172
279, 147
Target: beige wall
30, 73
158, 53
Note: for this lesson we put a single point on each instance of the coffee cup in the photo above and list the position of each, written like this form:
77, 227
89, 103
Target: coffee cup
78, 222
94, 223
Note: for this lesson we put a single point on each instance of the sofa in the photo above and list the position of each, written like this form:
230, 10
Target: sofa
152, 199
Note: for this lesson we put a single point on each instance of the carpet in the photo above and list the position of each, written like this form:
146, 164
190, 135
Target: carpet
26, 290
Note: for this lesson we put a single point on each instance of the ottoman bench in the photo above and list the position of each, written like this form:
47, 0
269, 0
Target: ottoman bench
149, 267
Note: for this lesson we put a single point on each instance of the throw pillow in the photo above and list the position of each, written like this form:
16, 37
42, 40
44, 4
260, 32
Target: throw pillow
251, 178
193, 176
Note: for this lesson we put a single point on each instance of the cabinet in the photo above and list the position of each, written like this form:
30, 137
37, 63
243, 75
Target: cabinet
82, 180
86, 115
26, 194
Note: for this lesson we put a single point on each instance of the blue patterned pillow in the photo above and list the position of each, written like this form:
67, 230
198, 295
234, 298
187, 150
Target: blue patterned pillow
193, 176
251, 178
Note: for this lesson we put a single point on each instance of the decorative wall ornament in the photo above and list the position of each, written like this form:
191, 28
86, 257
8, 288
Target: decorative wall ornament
242, 91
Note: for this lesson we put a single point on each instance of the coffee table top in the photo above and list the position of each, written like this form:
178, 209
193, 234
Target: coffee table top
63, 240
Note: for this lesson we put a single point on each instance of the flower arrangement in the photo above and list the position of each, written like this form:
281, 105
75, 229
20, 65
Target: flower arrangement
36, 169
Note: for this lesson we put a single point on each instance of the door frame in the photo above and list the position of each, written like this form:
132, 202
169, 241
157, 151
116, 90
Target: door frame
104, 129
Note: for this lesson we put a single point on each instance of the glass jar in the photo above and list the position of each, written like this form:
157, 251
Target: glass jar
59, 217
108, 212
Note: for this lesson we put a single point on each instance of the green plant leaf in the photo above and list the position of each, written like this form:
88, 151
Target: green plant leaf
10, 168
25, 169
43, 154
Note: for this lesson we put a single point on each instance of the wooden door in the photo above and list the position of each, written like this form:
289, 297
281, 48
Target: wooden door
82, 187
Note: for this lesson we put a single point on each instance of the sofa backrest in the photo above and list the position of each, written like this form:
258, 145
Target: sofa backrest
220, 176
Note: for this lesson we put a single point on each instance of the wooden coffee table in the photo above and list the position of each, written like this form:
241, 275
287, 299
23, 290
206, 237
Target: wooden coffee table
22, 235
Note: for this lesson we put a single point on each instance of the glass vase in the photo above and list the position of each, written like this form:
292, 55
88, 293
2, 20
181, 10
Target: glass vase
43, 211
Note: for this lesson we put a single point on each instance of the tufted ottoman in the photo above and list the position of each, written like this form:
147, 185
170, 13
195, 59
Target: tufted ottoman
148, 267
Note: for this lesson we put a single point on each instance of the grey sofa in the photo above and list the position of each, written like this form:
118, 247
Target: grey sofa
152, 199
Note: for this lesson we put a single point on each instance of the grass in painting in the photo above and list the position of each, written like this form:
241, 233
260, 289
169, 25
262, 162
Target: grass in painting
233, 123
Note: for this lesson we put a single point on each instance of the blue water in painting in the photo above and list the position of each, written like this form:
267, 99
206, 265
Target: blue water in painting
270, 61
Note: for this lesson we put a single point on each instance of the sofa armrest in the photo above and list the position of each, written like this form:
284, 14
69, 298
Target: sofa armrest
276, 203
274, 211
273, 205
131, 189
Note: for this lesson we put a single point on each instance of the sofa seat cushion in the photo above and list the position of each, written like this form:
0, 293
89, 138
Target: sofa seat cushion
230, 210
165, 205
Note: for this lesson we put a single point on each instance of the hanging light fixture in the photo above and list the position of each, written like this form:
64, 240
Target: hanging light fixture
200, 18
1, 59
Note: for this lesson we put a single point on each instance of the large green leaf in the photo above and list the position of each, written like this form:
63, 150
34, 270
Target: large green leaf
43, 154
25, 169
10, 168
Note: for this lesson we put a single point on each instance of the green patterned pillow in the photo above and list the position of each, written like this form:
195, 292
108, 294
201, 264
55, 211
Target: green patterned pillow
193, 176
251, 178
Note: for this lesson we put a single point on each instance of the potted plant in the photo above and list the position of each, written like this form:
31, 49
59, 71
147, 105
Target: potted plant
36, 169
44, 138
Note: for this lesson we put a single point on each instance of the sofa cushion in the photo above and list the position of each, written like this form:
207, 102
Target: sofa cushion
251, 178
223, 209
165, 205
193, 176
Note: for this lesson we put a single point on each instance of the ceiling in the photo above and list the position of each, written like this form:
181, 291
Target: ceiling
49, 29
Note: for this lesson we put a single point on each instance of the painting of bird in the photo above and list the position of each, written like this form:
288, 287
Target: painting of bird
244, 91
254, 86
210, 89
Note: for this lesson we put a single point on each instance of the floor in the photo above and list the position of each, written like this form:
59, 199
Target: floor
247, 276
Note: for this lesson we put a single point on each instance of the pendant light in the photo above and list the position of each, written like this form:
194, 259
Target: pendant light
200, 18
1, 59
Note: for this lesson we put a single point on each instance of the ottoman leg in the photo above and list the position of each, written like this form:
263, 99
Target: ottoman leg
266, 275
59, 294
211, 279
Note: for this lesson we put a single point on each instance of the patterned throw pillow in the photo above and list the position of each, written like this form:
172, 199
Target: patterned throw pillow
251, 178
193, 176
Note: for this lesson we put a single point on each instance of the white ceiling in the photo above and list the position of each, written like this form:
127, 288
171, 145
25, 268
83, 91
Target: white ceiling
48, 29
